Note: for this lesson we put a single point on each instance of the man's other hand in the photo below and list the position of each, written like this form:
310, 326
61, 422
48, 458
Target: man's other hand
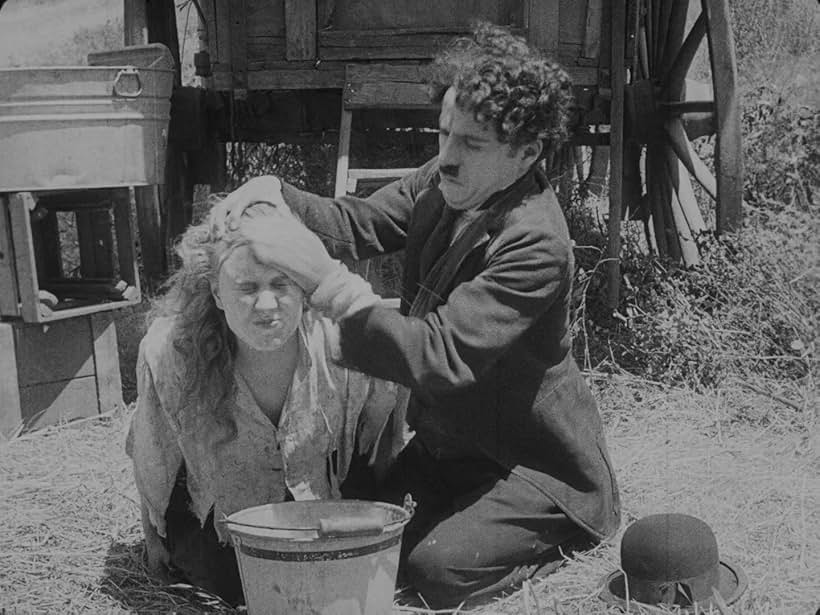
262, 189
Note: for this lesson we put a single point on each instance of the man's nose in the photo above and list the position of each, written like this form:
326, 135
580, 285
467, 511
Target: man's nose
266, 300
448, 157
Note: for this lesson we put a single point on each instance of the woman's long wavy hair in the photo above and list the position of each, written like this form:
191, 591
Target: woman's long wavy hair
505, 82
200, 333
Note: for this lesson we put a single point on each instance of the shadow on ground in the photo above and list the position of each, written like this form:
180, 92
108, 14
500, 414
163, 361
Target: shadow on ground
126, 580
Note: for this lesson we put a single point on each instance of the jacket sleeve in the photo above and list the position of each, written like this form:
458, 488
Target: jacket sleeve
357, 228
526, 272
153, 448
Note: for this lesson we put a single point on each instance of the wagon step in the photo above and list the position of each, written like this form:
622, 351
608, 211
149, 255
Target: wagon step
376, 86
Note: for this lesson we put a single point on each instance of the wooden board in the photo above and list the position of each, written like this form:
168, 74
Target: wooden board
11, 417
9, 295
20, 203
543, 24
55, 402
124, 212
60, 351
96, 243
376, 14
238, 29
300, 29
592, 29
106, 361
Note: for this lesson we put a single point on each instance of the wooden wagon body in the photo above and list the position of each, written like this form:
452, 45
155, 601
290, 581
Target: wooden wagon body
283, 70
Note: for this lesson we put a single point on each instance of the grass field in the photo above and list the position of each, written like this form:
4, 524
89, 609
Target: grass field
740, 450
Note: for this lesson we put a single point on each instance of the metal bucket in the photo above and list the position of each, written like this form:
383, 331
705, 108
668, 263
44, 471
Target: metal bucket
83, 126
328, 557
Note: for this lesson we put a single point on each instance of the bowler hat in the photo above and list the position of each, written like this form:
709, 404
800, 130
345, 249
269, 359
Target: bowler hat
672, 559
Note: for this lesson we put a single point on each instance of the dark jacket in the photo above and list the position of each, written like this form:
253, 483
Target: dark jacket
490, 366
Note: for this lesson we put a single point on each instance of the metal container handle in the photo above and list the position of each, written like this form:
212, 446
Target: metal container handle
129, 71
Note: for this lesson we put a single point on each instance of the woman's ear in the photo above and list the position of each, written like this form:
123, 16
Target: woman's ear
531, 152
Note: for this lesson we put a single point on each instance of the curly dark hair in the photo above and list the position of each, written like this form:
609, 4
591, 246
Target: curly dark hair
504, 81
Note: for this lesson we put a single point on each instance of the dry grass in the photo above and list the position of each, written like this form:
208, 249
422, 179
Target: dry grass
744, 462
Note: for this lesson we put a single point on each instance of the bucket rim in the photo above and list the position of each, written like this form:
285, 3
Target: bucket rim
233, 525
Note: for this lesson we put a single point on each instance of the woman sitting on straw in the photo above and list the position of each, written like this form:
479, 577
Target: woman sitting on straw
239, 401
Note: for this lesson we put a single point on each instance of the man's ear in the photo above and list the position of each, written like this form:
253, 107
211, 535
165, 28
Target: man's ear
215, 294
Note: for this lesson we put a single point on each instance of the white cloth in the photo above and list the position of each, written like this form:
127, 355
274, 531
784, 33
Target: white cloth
327, 407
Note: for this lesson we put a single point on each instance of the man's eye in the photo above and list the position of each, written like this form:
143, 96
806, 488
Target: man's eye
247, 288
473, 147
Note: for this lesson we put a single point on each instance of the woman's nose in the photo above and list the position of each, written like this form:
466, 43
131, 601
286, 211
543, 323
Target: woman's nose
267, 300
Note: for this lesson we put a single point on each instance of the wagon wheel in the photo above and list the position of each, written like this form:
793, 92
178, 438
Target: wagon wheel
665, 111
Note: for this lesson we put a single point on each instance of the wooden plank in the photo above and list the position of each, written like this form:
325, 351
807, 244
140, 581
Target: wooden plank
46, 236
417, 52
372, 174
414, 14
151, 238
388, 95
135, 22
238, 19
9, 295
20, 204
343, 151
616, 163
11, 417
267, 17
408, 73
85, 310
387, 38
106, 361
268, 52
222, 28
543, 24
96, 243
592, 29
285, 80
52, 403
300, 29
60, 351
124, 211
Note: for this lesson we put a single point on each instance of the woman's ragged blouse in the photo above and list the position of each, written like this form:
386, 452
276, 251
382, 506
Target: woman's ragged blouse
308, 453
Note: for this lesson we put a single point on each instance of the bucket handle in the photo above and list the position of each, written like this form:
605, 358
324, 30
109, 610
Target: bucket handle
128, 71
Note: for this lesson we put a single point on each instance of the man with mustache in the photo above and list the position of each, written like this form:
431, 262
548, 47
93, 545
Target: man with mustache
508, 463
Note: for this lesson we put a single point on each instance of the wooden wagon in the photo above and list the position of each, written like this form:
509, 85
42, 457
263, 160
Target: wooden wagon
297, 68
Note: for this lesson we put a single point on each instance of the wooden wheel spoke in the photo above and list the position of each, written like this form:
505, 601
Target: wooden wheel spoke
728, 152
683, 149
675, 29
681, 206
676, 75
643, 52
664, 21
656, 203
685, 194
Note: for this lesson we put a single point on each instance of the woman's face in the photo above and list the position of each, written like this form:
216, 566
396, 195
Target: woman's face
262, 306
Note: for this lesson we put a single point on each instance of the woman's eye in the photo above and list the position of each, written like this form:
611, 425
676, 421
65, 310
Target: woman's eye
247, 288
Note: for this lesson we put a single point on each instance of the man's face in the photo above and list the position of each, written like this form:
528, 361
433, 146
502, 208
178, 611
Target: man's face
263, 307
473, 163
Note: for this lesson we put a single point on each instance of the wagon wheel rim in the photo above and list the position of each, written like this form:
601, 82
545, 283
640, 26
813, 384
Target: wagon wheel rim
675, 114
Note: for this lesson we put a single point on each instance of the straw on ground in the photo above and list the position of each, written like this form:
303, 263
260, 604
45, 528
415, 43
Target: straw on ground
746, 463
